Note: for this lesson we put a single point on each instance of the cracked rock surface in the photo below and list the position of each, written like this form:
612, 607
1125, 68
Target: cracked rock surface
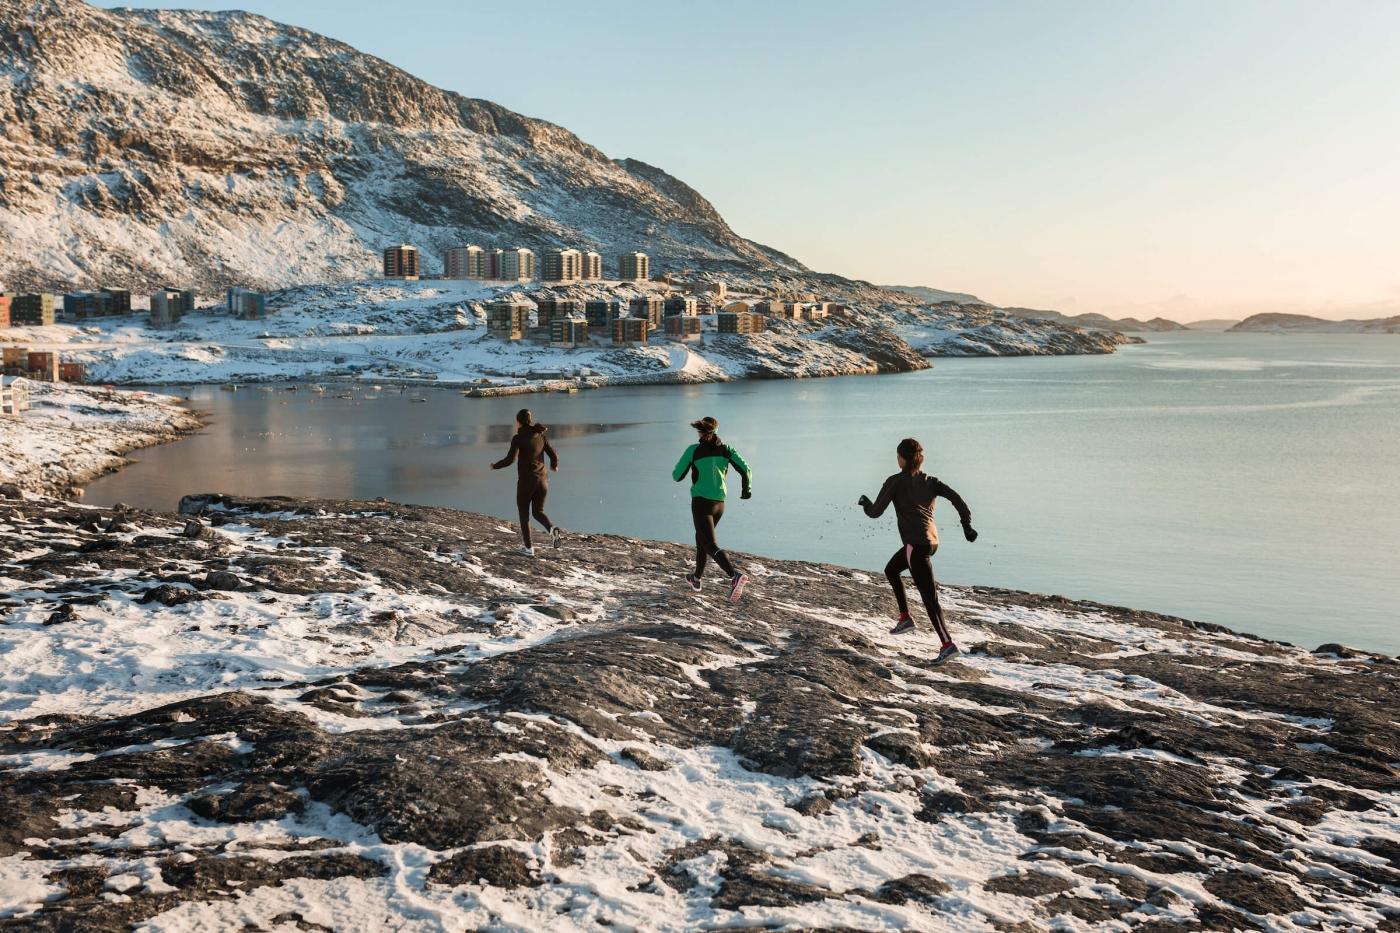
355, 715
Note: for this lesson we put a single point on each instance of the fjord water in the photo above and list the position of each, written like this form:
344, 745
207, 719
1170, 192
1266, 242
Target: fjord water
1241, 479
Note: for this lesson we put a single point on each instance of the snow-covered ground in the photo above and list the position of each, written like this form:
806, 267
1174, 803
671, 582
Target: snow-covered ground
74, 433
376, 717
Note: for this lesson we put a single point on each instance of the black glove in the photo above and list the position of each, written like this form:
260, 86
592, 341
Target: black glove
746, 494
969, 532
864, 502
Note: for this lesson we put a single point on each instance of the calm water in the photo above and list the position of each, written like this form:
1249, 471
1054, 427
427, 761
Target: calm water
1248, 480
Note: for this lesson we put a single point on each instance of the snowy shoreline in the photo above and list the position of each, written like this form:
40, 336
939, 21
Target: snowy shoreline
73, 434
368, 715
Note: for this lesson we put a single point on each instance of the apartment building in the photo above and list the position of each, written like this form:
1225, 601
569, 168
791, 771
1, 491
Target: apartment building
245, 304
715, 290
816, 311
592, 266
549, 310
72, 372
683, 327
741, 322
4, 310
78, 306
562, 265
31, 310
776, 309
14, 396
601, 313
467, 262
568, 332
630, 330
168, 305
650, 308
515, 265
633, 267
507, 319
43, 365
681, 306
401, 262
14, 361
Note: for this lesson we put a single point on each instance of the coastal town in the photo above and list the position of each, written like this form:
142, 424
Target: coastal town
672, 307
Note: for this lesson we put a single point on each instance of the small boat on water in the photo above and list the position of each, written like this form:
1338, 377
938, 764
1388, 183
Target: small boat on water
418, 398
318, 388
230, 387
345, 395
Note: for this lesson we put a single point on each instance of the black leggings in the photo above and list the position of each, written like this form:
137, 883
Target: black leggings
530, 497
917, 559
707, 513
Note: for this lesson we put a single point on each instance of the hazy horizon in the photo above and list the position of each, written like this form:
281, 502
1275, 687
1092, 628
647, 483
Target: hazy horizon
1186, 160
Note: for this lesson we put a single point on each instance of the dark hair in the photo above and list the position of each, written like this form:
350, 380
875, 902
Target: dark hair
525, 416
913, 453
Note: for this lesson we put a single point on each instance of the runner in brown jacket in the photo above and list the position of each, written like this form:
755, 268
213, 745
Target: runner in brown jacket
528, 448
913, 493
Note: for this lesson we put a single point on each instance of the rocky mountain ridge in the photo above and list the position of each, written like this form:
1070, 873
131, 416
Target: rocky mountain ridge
141, 146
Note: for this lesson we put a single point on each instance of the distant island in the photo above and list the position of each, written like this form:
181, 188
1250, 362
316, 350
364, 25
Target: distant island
1127, 325
1306, 324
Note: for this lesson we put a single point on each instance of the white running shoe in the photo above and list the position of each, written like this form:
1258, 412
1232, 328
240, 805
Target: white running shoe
528, 551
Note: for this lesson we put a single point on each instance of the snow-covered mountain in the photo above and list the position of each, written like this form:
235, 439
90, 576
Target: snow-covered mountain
144, 146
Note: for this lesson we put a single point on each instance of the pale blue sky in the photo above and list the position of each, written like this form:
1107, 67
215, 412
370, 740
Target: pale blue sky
1194, 158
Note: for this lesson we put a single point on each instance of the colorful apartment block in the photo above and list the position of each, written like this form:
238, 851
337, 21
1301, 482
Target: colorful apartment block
507, 319
401, 262
681, 306
633, 267
467, 262
245, 304
592, 266
568, 332
14, 361
72, 372
601, 313
549, 310
561, 265
515, 265
683, 327
741, 322
650, 308
630, 330
31, 310
43, 366
4, 310
169, 305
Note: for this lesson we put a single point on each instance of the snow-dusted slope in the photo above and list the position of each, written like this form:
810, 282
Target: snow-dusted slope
366, 716
140, 147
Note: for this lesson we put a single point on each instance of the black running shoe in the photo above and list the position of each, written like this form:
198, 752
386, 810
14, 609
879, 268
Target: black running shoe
905, 625
946, 652
694, 581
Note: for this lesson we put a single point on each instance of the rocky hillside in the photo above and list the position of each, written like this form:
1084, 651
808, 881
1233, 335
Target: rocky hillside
1091, 321
1303, 323
274, 714
142, 146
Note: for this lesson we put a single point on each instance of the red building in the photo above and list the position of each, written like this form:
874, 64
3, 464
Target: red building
72, 372
4, 310
43, 365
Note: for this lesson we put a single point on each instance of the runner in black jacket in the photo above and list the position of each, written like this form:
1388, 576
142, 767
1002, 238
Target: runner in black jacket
528, 448
913, 493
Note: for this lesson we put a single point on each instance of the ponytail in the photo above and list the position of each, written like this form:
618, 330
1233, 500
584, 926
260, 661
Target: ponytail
913, 453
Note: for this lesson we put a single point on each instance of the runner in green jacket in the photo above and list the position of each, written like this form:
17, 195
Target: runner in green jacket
707, 463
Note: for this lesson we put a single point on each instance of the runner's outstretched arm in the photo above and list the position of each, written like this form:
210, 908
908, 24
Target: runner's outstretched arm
553, 457
683, 464
745, 472
964, 513
877, 508
509, 457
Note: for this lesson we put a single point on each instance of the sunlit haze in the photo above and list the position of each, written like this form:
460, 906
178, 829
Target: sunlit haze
1188, 159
